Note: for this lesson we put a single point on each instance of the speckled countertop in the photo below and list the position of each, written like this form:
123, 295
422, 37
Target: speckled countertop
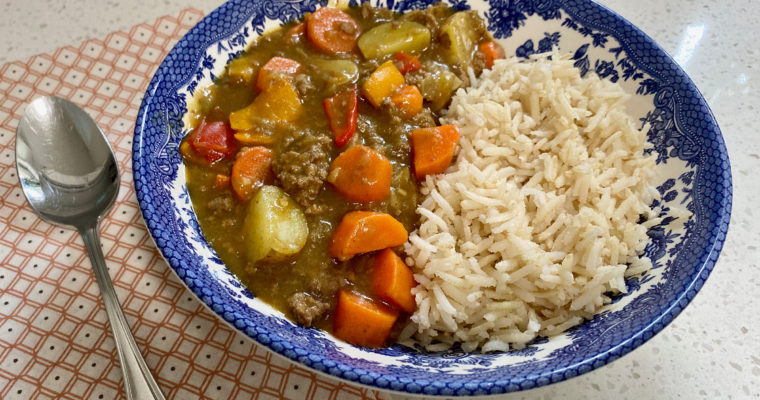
712, 350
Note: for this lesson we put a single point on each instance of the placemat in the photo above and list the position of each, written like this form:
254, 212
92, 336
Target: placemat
55, 341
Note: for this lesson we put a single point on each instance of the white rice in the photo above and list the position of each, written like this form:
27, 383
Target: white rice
535, 222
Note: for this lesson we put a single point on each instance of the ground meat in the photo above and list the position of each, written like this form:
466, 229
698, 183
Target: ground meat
429, 17
302, 165
422, 119
379, 13
323, 288
417, 78
364, 126
436, 81
402, 127
377, 143
221, 205
429, 71
303, 84
367, 130
306, 309
348, 28
221, 209
478, 63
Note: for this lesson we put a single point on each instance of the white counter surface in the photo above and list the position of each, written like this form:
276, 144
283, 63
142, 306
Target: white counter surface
712, 350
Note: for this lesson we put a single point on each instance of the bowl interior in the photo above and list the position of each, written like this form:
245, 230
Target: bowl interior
692, 166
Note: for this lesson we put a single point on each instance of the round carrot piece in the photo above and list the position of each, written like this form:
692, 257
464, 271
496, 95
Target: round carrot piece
252, 168
280, 65
332, 31
361, 174
365, 231
393, 281
408, 100
433, 149
362, 322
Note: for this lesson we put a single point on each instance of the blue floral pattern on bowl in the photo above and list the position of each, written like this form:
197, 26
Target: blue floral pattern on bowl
692, 164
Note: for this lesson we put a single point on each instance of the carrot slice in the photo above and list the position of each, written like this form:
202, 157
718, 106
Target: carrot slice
280, 65
406, 62
491, 52
382, 83
365, 231
408, 100
433, 149
221, 182
361, 174
393, 281
361, 321
252, 168
332, 31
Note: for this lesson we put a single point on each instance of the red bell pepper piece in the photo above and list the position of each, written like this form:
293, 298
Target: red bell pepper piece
406, 62
213, 140
342, 111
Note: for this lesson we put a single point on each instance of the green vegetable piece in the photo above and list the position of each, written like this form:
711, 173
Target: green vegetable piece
275, 227
461, 31
403, 191
337, 72
438, 84
392, 37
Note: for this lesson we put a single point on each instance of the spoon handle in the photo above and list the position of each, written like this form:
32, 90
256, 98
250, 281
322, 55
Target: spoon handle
138, 381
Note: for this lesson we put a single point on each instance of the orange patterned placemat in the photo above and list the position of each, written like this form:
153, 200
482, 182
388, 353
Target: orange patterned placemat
55, 341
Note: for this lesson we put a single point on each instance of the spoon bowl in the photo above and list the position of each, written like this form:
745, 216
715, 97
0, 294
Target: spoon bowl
69, 175
65, 165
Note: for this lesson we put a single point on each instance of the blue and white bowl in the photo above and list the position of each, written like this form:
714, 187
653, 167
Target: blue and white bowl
691, 159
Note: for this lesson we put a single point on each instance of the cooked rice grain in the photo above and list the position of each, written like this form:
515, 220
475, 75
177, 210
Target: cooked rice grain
536, 222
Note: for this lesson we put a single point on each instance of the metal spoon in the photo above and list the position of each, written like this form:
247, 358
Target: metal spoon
69, 176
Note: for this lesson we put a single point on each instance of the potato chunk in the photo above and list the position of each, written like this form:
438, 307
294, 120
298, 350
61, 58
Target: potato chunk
337, 72
392, 37
275, 227
461, 31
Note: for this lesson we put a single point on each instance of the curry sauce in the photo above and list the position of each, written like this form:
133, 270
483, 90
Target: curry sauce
299, 140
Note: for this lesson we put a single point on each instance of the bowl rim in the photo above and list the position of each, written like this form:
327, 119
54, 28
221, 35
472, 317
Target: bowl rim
632, 341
